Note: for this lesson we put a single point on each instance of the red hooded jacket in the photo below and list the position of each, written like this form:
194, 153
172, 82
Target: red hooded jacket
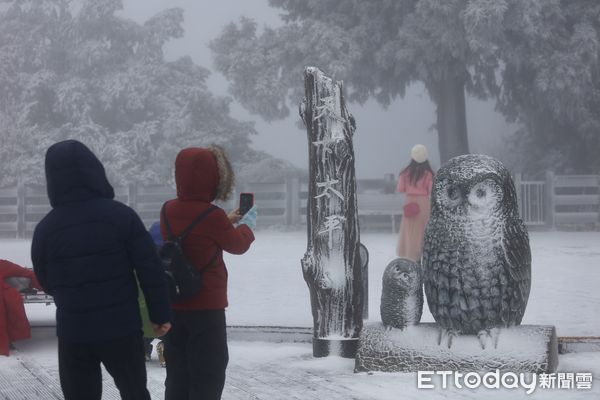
197, 179
13, 320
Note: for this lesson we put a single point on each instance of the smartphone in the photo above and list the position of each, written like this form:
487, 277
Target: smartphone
246, 202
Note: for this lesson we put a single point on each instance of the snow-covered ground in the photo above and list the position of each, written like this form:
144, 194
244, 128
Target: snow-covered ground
266, 288
266, 285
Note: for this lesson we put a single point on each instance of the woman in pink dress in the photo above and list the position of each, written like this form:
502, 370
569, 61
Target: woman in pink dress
415, 181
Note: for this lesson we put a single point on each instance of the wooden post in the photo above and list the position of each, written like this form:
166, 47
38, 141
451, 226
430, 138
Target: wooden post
132, 192
598, 218
20, 234
293, 204
389, 183
524, 210
550, 198
331, 265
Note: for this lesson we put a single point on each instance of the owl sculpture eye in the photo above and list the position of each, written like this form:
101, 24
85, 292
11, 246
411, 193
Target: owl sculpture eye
485, 195
451, 194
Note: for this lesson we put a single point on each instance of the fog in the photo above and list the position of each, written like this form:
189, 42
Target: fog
383, 137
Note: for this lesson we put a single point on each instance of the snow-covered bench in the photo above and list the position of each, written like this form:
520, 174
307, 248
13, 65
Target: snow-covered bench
380, 204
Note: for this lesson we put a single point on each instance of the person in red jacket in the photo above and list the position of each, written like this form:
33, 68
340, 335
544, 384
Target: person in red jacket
196, 345
13, 320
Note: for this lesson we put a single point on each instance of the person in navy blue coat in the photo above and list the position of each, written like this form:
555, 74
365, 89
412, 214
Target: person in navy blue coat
86, 253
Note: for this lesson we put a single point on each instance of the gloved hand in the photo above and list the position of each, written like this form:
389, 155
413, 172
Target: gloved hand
249, 218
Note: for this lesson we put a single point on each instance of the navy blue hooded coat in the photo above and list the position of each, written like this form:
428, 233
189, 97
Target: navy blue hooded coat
86, 249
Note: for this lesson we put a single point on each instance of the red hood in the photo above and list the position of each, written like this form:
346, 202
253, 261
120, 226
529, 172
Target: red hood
196, 174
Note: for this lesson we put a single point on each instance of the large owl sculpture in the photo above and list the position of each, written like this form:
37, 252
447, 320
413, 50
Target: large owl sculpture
476, 255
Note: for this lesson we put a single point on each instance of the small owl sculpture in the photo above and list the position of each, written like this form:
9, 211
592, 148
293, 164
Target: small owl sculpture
401, 294
476, 255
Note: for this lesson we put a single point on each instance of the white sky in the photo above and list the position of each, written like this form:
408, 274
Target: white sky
383, 138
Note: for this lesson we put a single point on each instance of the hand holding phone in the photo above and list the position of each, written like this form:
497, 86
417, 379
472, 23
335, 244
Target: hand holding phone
249, 218
234, 216
246, 202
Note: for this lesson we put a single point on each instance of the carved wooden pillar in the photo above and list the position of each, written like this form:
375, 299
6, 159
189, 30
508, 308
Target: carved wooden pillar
331, 265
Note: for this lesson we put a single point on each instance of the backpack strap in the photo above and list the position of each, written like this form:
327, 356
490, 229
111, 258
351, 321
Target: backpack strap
188, 229
163, 213
195, 222
211, 262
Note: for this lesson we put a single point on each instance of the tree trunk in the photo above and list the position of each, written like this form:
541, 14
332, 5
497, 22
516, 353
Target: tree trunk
449, 96
331, 265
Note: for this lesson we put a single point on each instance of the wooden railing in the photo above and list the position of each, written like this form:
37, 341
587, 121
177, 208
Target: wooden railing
532, 201
560, 200
575, 199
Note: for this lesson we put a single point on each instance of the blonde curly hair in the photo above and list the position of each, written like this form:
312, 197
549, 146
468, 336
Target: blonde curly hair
226, 174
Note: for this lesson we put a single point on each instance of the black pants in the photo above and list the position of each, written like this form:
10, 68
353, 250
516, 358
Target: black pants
197, 355
123, 358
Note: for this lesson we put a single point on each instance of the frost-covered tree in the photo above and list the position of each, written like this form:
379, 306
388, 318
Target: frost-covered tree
551, 82
378, 47
78, 70
538, 58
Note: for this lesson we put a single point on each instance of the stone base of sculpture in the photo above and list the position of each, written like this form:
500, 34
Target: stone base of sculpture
524, 348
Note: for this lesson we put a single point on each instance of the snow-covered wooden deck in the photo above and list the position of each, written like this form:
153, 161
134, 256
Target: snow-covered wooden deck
28, 380
31, 373
272, 370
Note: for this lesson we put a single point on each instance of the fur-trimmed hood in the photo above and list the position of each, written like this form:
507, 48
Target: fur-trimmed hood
203, 174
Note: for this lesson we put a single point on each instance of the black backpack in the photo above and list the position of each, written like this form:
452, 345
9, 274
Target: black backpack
183, 280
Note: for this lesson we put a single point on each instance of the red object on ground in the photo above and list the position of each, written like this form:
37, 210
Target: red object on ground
13, 320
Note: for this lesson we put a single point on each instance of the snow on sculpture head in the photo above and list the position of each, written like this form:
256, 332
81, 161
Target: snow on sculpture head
473, 186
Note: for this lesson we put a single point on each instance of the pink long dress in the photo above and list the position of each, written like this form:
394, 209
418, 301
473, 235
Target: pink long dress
412, 229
